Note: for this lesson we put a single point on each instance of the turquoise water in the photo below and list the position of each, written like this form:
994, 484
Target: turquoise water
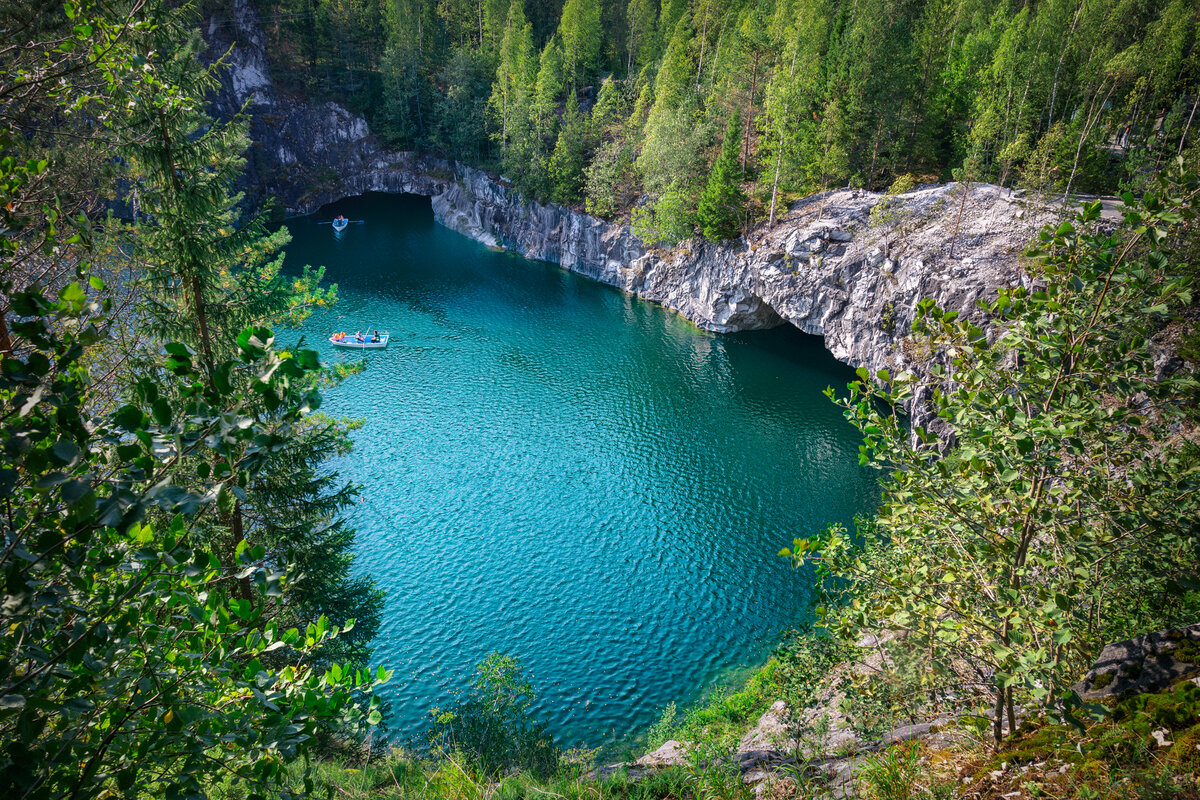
557, 470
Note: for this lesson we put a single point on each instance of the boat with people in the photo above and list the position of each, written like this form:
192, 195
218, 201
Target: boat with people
340, 223
371, 340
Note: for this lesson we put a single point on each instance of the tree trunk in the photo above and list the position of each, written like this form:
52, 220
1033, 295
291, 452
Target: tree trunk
1189, 122
750, 112
202, 323
1062, 57
998, 722
238, 533
874, 155
1087, 128
197, 298
6, 345
779, 150
962, 205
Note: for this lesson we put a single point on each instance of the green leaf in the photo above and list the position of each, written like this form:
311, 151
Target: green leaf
129, 417
66, 451
162, 411
73, 295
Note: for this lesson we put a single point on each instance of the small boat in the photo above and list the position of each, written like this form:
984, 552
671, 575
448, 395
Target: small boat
339, 225
367, 343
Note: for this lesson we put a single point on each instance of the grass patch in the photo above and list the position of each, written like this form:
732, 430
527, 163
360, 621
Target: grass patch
794, 673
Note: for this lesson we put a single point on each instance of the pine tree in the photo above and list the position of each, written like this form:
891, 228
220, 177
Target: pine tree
198, 285
670, 153
723, 202
755, 49
792, 93
516, 73
669, 15
460, 114
671, 160
609, 179
551, 82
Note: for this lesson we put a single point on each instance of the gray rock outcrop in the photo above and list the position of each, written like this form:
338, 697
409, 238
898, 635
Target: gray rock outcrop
824, 268
1147, 663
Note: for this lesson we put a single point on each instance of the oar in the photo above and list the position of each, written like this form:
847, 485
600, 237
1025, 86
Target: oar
348, 222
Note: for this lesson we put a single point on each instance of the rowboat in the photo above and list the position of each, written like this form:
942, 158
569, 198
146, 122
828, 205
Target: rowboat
366, 344
340, 224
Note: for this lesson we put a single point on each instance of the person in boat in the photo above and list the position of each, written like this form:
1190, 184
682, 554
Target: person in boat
375, 338
339, 219
358, 337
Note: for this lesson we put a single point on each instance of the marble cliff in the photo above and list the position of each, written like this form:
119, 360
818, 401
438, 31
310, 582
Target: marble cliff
823, 267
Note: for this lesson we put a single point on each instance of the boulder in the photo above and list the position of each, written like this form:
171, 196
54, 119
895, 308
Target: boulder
1147, 663
671, 754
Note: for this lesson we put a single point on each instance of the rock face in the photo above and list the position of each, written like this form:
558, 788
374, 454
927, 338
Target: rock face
823, 268
1148, 663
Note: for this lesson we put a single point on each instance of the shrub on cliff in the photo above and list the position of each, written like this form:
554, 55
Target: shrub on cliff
1066, 513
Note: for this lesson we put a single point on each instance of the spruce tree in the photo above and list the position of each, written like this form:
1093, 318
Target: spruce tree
722, 203
211, 271
570, 155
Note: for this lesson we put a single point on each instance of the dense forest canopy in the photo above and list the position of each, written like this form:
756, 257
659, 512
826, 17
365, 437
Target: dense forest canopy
602, 103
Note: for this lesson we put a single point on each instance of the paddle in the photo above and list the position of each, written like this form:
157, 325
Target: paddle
348, 222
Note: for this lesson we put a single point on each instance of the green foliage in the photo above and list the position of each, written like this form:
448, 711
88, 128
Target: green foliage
643, 40
888, 216
1054, 96
579, 30
668, 221
569, 158
134, 656
148, 647
195, 247
722, 203
460, 111
1001, 554
206, 271
893, 774
493, 727
609, 181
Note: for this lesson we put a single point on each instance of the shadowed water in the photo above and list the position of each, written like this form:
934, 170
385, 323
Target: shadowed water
557, 470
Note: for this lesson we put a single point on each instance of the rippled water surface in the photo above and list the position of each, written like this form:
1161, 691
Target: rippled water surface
557, 470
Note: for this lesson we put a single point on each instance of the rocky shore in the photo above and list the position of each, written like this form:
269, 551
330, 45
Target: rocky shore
823, 268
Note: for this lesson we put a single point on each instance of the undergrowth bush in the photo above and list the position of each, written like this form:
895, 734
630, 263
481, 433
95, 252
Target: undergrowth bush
492, 728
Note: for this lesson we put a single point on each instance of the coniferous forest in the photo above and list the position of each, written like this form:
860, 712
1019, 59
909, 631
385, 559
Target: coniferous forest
610, 105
